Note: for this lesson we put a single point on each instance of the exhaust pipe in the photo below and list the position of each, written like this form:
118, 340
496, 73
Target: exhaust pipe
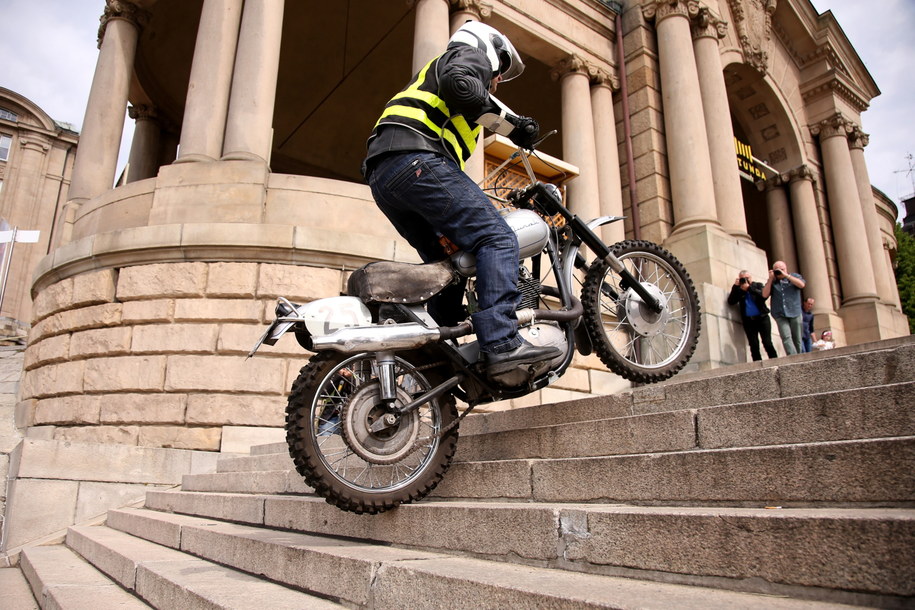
393, 337
388, 337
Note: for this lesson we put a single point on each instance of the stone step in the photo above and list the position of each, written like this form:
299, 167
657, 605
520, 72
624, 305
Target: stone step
849, 368
260, 481
864, 413
62, 579
874, 471
879, 471
278, 460
877, 412
269, 448
392, 577
167, 578
853, 368
869, 549
15, 593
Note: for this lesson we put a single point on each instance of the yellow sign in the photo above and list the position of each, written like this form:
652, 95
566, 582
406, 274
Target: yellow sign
745, 161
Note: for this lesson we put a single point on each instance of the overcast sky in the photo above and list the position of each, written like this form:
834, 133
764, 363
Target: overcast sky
49, 53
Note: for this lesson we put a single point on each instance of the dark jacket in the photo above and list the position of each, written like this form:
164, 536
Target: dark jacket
738, 296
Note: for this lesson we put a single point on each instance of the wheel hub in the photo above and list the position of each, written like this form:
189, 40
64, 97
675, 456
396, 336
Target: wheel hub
643, 319
375, 434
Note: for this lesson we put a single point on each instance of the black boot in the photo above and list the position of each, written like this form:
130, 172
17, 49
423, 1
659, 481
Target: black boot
523, 356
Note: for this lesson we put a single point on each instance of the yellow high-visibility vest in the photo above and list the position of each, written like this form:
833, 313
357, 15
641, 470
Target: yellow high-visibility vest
418, 107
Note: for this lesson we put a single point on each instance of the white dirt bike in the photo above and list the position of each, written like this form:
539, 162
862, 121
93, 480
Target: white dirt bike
372, 421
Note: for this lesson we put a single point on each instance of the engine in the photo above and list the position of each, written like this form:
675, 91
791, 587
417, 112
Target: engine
546, 333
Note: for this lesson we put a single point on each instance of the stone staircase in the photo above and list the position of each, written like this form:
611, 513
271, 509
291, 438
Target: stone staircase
783, 484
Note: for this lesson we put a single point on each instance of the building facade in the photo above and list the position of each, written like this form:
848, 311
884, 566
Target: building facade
36, 161
243, 185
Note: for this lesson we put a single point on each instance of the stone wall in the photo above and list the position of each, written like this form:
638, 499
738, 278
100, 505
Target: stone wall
10, 437
155, 356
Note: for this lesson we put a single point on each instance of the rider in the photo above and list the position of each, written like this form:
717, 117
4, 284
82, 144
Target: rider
416, 155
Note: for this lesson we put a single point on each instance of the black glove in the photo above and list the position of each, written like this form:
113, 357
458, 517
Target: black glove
525, 133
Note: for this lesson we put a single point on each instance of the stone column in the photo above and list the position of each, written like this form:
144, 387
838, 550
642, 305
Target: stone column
578, 144
707, 30
882, 272
463, 11
855, 268
96, 162
430, 32
249, 126
33, 160
144, 150
811, 254
687, 141
207, 103
608, 157
781, 230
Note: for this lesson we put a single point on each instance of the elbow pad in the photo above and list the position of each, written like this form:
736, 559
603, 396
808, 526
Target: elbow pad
462, 90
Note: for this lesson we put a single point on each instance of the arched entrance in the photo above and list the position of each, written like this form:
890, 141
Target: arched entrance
762, 123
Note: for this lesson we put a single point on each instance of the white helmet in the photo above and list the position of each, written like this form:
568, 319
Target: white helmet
502, 55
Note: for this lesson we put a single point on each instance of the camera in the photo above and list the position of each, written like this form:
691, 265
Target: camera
743, 281
777, 272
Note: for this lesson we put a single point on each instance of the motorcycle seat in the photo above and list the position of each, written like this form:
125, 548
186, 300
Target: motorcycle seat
390, 282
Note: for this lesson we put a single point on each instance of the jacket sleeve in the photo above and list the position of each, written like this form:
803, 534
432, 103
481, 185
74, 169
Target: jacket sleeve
756, 289
734, 296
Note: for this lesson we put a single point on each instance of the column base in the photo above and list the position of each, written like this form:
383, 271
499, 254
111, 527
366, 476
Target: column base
194, 158
871, 321
227, 191
713, 259
243, 156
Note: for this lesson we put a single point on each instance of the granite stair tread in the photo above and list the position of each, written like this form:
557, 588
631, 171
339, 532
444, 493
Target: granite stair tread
168, 578
383, 576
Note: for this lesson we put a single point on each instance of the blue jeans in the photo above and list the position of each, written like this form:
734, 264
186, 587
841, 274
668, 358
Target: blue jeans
425, 194
790, 331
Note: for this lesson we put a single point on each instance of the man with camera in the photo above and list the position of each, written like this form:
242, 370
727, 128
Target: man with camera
747, 295
785, 289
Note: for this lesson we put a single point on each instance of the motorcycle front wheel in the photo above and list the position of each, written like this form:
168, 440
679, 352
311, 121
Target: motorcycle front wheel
346, 445
630, 338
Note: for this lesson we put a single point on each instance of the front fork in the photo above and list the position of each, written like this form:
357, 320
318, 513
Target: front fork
597, 245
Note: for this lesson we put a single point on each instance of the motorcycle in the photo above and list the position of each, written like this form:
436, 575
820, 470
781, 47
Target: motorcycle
372, 419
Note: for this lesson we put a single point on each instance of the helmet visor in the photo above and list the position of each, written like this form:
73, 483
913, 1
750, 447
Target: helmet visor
510, 64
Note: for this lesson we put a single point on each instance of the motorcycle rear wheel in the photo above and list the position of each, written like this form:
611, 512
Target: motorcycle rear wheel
632, 340
329, 414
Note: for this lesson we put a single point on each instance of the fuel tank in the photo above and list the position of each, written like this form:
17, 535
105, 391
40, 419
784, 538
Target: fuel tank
532, 233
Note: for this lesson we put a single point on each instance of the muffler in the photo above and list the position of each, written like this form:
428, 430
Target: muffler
387, 337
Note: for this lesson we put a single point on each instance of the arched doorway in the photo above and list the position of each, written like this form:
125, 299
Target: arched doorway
762, 123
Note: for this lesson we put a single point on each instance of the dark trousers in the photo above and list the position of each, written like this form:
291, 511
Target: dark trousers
756, 328
422, 193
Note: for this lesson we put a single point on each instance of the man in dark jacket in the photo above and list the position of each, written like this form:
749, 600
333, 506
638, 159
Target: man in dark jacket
414, 164
747, 295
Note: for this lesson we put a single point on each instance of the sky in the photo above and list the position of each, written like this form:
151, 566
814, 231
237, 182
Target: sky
49, 54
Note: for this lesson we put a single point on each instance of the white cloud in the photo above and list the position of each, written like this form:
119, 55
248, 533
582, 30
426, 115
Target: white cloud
881, 34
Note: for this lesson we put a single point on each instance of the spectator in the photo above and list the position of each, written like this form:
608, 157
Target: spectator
785, 289
754, 314
807, 324
825, 341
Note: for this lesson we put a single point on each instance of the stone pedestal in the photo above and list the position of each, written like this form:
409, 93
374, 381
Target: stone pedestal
714, 258
869, 321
